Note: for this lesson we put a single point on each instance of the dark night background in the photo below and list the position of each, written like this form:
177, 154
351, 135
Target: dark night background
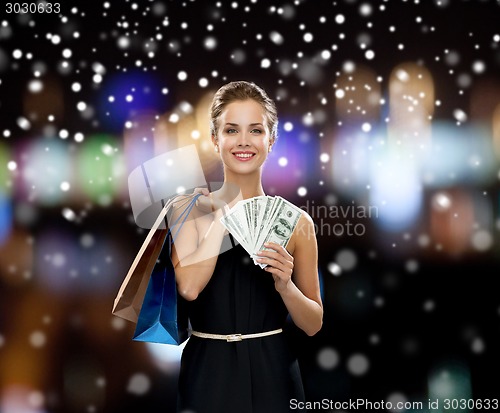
411, 301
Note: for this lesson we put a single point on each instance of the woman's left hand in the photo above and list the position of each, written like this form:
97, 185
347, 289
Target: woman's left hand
279, 264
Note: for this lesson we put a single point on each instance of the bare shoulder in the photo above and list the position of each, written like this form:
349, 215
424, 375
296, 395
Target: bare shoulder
304, 233
305, 226
305, 218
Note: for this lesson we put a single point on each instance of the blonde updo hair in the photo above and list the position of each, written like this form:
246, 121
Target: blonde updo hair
242, 90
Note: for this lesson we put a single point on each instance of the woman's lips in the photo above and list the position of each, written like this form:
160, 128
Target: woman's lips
243, 156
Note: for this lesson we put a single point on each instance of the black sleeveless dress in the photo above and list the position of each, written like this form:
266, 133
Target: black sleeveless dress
258, 375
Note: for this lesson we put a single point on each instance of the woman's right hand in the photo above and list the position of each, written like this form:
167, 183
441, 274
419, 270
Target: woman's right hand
208, 203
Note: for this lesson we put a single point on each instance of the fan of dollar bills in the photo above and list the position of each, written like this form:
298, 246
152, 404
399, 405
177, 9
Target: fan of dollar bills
255, 221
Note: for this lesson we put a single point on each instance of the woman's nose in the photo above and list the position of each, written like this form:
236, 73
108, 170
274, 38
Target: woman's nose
243, 139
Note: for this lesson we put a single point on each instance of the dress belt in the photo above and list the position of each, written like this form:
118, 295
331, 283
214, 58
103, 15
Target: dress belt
235, 337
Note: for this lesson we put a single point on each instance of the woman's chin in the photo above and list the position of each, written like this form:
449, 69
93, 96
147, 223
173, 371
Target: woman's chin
244, 169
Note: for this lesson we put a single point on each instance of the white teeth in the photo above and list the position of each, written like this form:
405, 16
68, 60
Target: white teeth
243, 155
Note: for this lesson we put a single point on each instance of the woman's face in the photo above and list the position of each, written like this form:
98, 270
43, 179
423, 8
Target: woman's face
243, 136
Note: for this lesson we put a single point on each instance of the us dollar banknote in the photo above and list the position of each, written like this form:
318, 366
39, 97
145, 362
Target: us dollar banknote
262, 219
281, 227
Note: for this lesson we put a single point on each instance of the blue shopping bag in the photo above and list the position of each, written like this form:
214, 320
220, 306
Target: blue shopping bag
163, 317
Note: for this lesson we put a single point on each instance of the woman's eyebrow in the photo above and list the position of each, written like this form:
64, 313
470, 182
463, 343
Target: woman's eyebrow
236, 124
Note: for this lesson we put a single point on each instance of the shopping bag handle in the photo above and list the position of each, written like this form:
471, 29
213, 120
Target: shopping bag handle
184, 214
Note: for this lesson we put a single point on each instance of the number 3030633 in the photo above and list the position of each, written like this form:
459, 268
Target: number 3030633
32, 8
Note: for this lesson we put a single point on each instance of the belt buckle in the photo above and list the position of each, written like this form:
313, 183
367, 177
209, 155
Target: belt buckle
233, 337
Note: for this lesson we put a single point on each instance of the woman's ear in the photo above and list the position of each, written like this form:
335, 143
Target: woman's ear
271, 143
215, 143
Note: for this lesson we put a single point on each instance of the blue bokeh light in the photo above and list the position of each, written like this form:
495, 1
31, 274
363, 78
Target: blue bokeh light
5, 217
295, 156
128, 93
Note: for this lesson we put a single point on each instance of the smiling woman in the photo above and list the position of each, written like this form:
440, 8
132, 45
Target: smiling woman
244, 137
238, 310
244, 125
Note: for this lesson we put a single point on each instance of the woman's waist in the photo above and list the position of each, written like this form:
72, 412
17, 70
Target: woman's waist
234, 328
235, 336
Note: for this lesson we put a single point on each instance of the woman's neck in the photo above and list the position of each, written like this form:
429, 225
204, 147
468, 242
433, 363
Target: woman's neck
250, 185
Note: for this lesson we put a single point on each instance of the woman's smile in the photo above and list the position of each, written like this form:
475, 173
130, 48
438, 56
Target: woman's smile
244, 156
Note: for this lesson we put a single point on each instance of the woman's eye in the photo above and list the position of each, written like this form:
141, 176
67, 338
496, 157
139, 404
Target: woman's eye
256, 131
231, 131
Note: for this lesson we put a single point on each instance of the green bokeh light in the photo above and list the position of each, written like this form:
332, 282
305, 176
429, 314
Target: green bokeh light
100, 167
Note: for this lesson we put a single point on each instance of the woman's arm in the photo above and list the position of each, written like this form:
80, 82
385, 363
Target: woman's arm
296, 277
195, 250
